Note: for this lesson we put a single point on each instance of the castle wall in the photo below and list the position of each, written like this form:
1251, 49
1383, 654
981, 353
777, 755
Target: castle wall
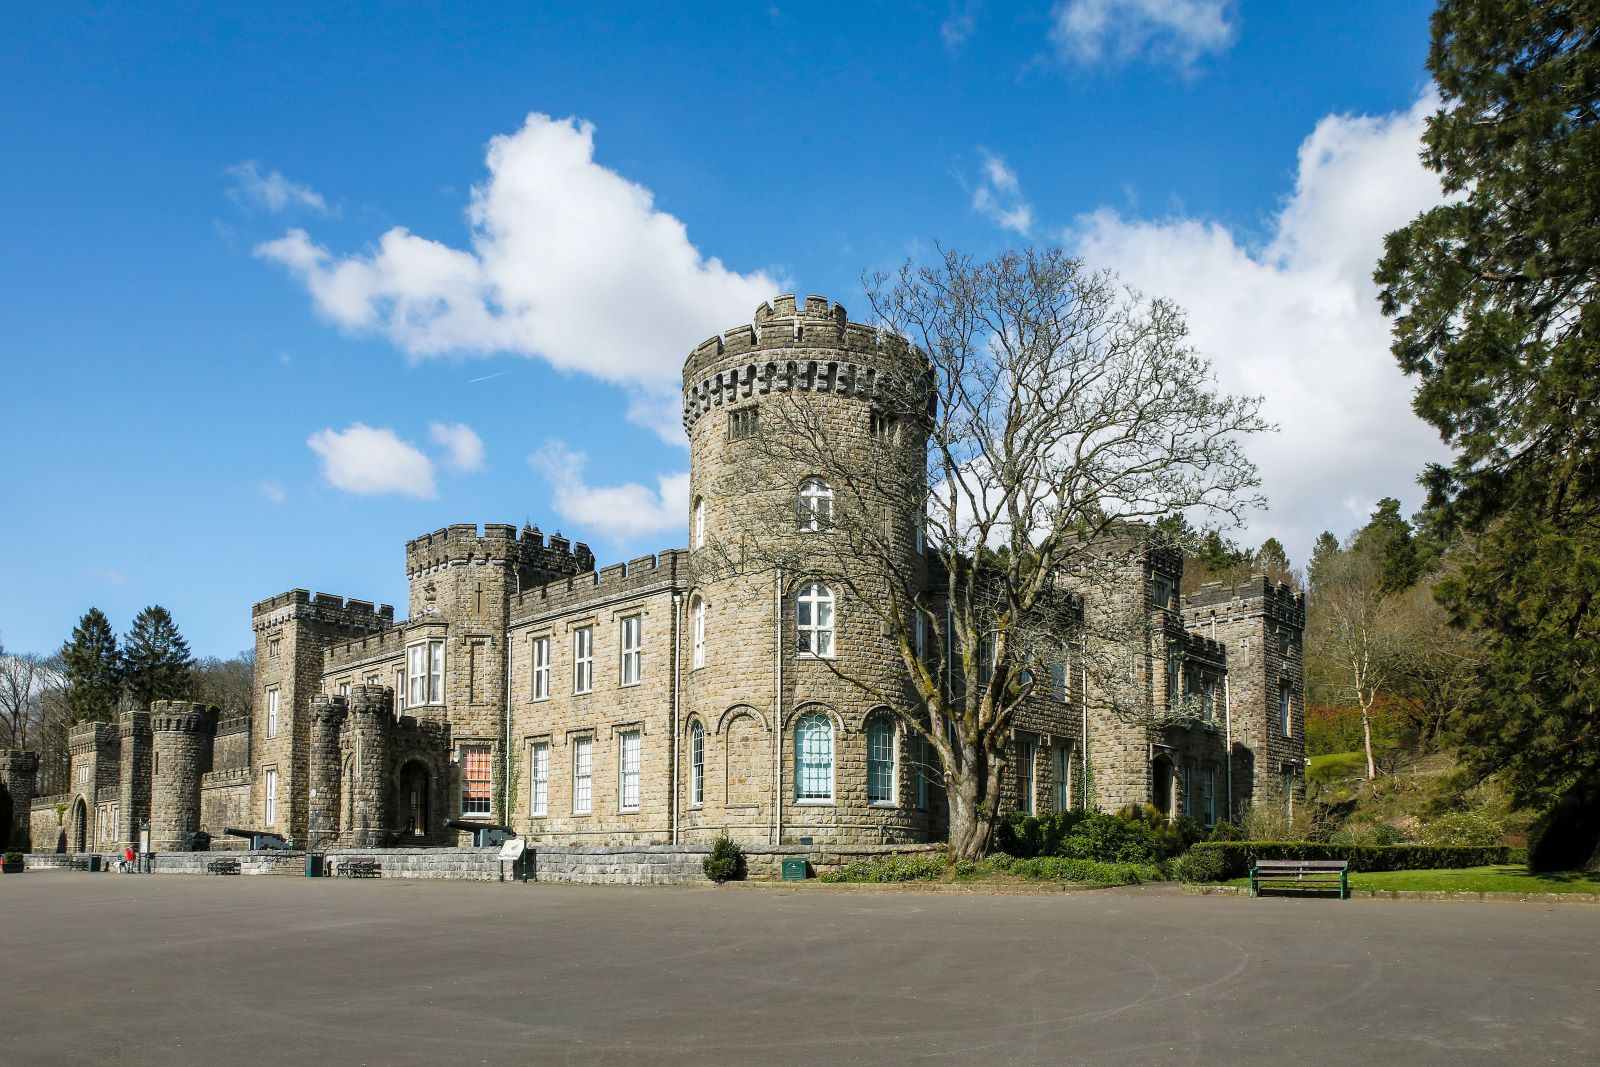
181, 753
564, 721
225, 803
47, 823
293, 631
230, 750
799, 369
19, 779
1262, 624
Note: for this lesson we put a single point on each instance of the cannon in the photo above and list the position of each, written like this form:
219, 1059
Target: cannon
259, 839
484, 834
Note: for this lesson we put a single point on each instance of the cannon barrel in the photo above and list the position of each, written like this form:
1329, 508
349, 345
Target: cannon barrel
231, 832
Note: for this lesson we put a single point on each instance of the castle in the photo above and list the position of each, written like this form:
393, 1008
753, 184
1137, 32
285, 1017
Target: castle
662, 701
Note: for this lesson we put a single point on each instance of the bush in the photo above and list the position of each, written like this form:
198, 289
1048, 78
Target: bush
1225, 831
726, 861
1089, 872
1201, 865
916, 867
1109, 839
1466, 828
1025, 836
13, 857
1236, 857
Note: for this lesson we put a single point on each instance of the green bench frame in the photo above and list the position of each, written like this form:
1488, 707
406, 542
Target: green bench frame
1300, 874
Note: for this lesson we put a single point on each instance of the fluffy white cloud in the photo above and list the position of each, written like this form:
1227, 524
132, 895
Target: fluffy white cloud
1117, 31
617, 512
370, 461
271, 191
568, 261
999, 196
463, 449
1297, 320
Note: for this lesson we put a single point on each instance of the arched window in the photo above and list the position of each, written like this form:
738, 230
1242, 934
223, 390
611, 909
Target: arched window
814, 620
697, 764
880, 761
816, 505
813, 757
699, 632
699, 522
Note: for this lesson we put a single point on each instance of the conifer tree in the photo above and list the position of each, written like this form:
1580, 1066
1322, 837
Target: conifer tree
1493, 297
157, 663
92, 667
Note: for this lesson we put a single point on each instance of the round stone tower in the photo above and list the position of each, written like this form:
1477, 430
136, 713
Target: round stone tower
327, 719
807, 436
181, 735
19, 781
366, 742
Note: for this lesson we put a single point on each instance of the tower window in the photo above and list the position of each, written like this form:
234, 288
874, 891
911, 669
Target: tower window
814, 620
583, 659
880, 761
813, 758
882, 426
742, 422
541, 668
632, 649
700, 522
816, 505
697, 764
699, 632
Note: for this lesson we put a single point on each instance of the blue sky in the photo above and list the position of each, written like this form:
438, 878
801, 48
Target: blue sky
283, 289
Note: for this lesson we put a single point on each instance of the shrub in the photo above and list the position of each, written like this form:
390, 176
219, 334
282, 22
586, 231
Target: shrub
1201, 865
1224, 831
1462, 828
916, 867
1025, 836
1109, 839
726, 861
1089, 872
13, 858
1237, 856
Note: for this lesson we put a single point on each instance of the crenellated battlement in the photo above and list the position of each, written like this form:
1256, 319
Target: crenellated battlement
1258, 595
810, 348
320, 607
497, 543
87, 736
380, 645
644, 574
1199, 647
372, 700
236, 724
182, 717
133, 723
225, 779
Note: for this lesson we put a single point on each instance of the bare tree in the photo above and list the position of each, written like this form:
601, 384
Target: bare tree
225, 682
1043, 417
1355, 635
24, 676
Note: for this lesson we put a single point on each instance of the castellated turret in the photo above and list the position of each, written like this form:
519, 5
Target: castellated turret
806, 432
367, 742
181, 737
137, 759
327, 714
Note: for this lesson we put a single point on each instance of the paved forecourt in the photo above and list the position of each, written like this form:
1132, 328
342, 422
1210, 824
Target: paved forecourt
195, 970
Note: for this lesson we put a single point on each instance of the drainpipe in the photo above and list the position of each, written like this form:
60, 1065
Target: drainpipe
677, 656
505, 761
777, 707
1227, 734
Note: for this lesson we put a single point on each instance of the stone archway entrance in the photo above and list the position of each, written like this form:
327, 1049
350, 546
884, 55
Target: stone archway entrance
78, 829
415, 778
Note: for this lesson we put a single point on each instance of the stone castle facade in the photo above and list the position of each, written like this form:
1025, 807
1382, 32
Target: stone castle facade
663, 700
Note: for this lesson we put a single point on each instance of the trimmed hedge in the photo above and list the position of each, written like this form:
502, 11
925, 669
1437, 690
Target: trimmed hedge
1236, 857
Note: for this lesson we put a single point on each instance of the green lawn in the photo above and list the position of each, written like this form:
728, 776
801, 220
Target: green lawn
1334, 766
1502, 879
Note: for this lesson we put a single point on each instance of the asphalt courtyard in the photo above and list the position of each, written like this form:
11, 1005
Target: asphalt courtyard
173, 969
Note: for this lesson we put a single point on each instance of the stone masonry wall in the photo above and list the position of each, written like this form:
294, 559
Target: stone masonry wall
642, 590
181, 733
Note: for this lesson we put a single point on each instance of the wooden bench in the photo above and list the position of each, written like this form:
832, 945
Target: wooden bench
1301, 874
358, 869
222, 867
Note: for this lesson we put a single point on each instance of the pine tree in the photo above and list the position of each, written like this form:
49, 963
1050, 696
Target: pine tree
1387, 536
157, 663
1493, 297
92, 668
1322, 554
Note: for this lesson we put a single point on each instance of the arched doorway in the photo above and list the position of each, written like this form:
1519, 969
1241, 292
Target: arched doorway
78, 835
415, 778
